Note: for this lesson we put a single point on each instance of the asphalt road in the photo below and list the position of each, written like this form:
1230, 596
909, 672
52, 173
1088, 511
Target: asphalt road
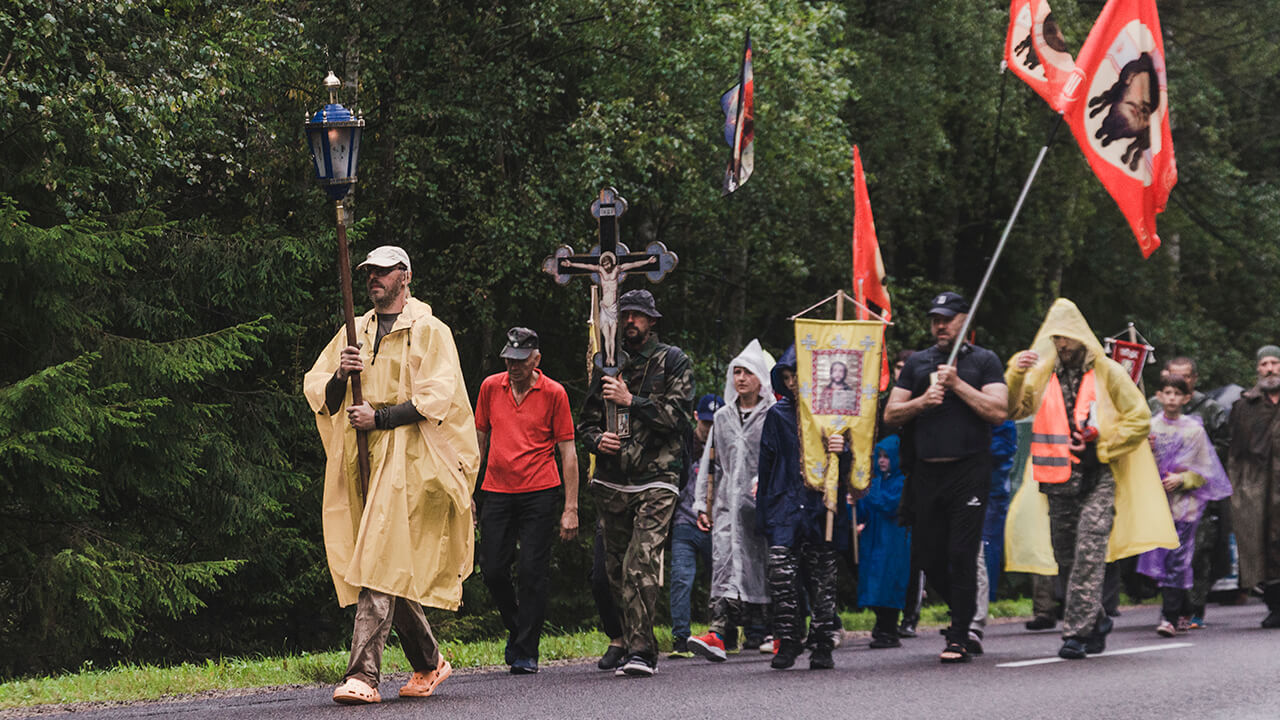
1231, 669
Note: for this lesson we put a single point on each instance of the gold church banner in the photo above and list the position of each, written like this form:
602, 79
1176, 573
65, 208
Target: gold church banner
838, 372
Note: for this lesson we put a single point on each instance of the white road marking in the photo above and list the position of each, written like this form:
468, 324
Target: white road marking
1126, 651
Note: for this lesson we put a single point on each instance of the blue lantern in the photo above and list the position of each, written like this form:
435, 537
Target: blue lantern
333, 134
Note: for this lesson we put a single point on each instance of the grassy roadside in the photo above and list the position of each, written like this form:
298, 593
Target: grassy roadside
150, 682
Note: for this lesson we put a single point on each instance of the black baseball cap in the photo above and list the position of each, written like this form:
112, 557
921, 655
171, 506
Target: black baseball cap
948, 304
521, 342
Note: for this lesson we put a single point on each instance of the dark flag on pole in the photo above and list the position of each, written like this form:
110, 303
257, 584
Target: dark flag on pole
739, 125
1117, 106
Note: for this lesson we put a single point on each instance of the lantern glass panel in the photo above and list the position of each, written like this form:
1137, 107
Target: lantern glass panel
315, 139
355, 151
340, 152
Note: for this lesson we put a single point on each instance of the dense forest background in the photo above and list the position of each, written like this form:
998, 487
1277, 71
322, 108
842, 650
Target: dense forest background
167, 266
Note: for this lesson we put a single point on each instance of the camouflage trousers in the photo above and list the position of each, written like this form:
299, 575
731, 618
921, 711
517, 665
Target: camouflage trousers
814, 564
1080, 526
635, 528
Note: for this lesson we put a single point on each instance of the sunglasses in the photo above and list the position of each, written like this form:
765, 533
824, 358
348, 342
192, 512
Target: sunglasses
382, 271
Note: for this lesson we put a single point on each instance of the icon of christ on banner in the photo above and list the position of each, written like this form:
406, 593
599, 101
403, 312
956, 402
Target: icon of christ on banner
838, 374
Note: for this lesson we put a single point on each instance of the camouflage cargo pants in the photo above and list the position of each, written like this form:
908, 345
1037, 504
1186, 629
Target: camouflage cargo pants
809, 567
635, 528
1080, 526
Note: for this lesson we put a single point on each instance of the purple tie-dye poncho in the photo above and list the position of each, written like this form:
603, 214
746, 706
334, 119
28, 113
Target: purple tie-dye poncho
1182, 445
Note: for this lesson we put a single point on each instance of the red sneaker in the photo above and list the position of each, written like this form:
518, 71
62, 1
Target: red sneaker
709, 646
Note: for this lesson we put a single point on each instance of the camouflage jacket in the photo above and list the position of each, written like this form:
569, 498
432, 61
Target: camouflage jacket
661, 415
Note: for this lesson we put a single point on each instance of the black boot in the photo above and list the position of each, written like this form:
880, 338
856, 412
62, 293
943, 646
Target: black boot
786, 656
1096, 643
1271, 596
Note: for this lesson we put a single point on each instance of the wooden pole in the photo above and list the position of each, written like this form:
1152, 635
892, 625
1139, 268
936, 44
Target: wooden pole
1133, 338
831, 514
348, 309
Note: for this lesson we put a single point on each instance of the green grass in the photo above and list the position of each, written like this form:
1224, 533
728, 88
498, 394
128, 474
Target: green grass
152, 682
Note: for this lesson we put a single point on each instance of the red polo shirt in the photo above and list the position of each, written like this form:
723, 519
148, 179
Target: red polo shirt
522, 439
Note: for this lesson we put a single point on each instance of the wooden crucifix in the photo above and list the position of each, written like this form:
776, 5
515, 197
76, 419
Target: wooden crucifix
608, 264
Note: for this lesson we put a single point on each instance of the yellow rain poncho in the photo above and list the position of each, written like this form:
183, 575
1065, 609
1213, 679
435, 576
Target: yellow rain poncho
414, 538
1142, 520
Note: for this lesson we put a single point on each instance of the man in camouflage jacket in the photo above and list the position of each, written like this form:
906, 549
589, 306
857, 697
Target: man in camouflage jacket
637, 478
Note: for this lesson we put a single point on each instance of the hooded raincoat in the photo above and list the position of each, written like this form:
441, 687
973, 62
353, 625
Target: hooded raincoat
739, 554
413, 538
1182, 446
884, 547
1254, 466
1142, 520
786, 510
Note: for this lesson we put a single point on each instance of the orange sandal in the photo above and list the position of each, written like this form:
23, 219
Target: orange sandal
422, 684
354, 691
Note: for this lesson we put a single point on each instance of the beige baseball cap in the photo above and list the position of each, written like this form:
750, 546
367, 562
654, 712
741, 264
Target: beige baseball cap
387, 256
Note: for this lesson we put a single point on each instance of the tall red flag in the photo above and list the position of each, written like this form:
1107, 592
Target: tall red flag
868, 265
1117, 105
1035, 50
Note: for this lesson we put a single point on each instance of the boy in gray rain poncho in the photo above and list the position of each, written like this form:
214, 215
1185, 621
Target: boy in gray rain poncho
739, 555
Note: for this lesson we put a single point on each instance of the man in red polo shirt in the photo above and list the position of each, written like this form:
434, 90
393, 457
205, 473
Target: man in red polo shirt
522, 418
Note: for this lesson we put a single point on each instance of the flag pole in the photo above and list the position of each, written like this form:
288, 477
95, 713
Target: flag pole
1004, 237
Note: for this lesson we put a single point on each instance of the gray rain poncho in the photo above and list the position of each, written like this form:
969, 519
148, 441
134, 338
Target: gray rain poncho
739, 555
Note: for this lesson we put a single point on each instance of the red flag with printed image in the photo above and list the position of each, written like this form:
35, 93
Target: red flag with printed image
1117, 106
739, 125
1035, 50
868, 264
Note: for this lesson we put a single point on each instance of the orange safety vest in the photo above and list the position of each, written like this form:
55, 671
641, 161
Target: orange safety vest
1051, 457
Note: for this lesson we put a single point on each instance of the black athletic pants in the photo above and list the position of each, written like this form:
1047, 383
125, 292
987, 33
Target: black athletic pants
951, 507
529, 519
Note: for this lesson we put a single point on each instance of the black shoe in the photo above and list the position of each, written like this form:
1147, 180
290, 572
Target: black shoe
1272, 620
786, 656
752, 642
973, 643
1072, 649
907, 629
1040, 622
509, 653
638, 666
820, 659
524, 666
612, 659
885, 640
1096, 643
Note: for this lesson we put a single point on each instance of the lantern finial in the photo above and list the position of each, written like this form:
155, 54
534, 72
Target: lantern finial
332, 84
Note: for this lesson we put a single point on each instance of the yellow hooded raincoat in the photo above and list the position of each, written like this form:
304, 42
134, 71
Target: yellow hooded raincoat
414, 537
1124, 422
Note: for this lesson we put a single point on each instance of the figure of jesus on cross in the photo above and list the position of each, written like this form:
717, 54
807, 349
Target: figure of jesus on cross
608, 270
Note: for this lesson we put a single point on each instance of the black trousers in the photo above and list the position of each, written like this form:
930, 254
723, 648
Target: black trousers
530, 520
951, 507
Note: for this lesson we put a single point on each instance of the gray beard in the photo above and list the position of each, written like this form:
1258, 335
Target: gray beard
1270, 383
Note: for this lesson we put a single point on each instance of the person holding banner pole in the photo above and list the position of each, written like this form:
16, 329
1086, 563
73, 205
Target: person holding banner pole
792, 517
953, 404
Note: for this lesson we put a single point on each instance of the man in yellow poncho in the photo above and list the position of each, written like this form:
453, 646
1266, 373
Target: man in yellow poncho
1093, 469
409, 543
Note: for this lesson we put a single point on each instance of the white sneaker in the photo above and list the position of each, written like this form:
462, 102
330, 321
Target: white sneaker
766, 647
637, 666
1166, 629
